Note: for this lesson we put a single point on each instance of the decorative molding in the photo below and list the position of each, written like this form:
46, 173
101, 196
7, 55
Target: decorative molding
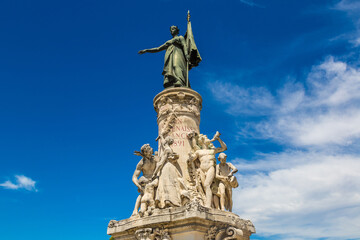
176, 102
223, 233
211, 233
143, 234
112, 224
196, 205
152, 234
161, 234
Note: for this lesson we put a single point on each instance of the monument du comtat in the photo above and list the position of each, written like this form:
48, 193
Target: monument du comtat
185, 187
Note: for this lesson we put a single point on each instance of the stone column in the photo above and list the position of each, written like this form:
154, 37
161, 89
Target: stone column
178, 113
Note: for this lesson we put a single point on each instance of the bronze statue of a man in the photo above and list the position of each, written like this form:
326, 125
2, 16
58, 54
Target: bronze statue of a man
175, 62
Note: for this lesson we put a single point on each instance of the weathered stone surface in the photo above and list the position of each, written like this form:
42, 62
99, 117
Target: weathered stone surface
183, 106
192, 221
182, 189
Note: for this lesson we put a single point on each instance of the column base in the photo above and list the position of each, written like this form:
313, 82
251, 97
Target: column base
190, 222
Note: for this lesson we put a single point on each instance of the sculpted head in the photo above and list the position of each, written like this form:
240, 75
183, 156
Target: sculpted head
205, 142
146, 150
222, 157
202, 141
169, 140
174, 30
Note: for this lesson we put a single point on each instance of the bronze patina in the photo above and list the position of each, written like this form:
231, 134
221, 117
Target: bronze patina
181, 55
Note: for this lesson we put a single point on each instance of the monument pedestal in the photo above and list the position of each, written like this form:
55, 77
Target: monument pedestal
190, 222
173, 199
178, 113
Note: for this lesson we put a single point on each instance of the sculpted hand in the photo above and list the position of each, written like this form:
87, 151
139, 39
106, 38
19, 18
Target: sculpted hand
142, 51
139, 187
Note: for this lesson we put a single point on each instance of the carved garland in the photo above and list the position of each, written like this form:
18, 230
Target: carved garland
184, 104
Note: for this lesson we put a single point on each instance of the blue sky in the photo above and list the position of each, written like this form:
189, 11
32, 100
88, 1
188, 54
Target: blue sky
279, 79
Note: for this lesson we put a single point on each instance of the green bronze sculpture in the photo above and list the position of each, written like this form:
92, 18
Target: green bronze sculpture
181, 55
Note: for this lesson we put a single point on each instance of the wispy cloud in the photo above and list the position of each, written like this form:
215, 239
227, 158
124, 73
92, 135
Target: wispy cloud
324, 110
312, 192
21, 182
352, 8
251, 101
307, 195
252, 3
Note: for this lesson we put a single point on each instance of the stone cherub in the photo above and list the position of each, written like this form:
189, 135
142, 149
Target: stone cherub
147, 202
204, 151
226, 182
145, 183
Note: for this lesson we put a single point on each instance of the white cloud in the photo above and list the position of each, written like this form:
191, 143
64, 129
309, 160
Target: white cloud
352, 8
333, 83
304, 195
357, 42
252, 101
22, 182
313, 192
324, 111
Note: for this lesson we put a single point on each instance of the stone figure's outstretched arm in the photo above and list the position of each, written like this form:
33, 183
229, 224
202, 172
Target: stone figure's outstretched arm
222, 144
156, 49
159, 166
163, 155
137, 174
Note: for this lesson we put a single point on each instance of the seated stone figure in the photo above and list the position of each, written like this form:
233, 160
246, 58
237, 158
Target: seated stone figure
223, 184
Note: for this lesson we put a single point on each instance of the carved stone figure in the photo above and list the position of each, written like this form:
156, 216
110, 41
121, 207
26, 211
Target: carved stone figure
147, 202
205, 153
171, 189
147, 166
226, 181
182, 190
